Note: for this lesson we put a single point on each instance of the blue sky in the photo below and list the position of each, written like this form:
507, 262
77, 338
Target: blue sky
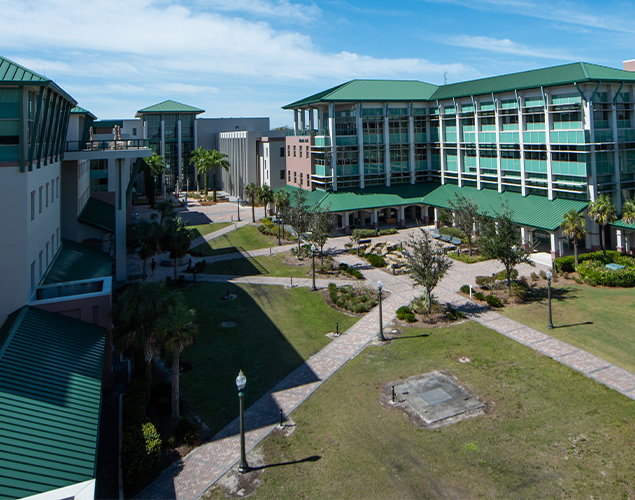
250, 57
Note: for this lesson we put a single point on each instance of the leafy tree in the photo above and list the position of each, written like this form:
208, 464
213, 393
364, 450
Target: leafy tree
602, 212
251, 190
282, 201
321, 225
153, 167
135, 314
176, 239
465, 216
217, 159
501, 240
299, 218
355, 237
426, 262
201, 160
264, 196
144, 237
573, 227
165, 209
176, 330
628, 211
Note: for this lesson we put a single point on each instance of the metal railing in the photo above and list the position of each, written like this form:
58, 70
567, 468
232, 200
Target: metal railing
110, 145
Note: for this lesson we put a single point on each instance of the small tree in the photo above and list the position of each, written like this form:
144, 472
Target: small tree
282, 201
251, 190
264, 196
321, 225
176, 239
573, 228
299, 215
501, 240
153, 167
602, 212
201, 160
144, 237
165, 209
628, 211
465, 216
217, 159
355, 237
426, 262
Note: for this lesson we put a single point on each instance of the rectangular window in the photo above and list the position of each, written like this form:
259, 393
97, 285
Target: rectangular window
294, 147
300, 151
308, 181
47, 194
281, 175
295, 177
32, 205
134, 131
288, 150
40, 198
301, 181
288, 175
282, 152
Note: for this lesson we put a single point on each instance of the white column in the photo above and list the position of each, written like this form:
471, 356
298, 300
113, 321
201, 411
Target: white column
477, 127
295, 121
441, 149
619, 236
616, 159
521, 141
499, 172
593, 183
387, 147
411, 144
459, 153
374, 220
360, 145
437, 213
402, 216
552, 237
195, 133
310, 111
302, 127
333, 146
548, 143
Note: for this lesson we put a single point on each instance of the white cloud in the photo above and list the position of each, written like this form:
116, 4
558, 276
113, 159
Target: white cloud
278, 8
505, 46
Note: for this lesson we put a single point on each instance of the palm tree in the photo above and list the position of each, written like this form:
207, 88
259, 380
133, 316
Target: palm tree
144, 237
176, 239
250, 192
282, 201
154, 166
264, 196
135, 314
176, 329
602, 212
165, 209
573, 228
217, 159
628, 211
201, 160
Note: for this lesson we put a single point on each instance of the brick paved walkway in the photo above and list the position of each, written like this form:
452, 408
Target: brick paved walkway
192, 476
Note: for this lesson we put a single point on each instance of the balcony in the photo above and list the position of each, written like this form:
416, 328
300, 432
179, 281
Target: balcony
111, 145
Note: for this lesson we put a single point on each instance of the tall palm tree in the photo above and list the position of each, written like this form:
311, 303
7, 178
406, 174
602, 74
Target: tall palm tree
201, 160
602, 212
573, 227
264, 196
176, 239
282, 201
154, 166
144, 238
176, 329
217, 159
165, 209
250, 192
628, 211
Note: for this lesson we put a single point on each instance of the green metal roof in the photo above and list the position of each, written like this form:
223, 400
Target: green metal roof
76, 262
620, 224
371, 90
312, 197
531, 211
78, 110
391, 90
170, 107
12, 73
376, 197
50, 397
99, 214
107, 123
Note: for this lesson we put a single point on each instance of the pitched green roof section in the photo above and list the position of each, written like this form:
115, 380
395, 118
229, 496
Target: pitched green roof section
371, 90
622, 224
531, 211
376, 197
75, 262
78, 110
50, 397
13, 72
170, 107
100, 214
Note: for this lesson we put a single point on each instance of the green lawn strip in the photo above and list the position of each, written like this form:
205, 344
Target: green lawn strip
243, 239
268, 265
276, 330
550, 432
205, 229
609, 310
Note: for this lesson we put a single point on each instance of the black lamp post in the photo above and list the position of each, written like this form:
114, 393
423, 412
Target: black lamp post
549, 275
313, 249
238, 208
278, 222
241, 380
380, 285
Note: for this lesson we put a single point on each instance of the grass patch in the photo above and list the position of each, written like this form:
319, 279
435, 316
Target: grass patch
598, 320
551, 431
205, 229
276, 330
265, 265
242, 239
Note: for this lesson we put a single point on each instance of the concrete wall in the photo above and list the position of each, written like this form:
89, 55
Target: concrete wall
298, 162
272, 158
209, 129
240, 148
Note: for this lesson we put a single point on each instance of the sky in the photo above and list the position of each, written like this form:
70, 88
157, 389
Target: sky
248, 58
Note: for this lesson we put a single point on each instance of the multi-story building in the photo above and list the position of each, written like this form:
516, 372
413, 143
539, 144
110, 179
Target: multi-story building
546, 141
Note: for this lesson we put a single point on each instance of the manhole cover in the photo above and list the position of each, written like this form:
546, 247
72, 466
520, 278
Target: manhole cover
435, 396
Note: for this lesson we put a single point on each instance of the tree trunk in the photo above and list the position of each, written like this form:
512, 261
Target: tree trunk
214, 183
602, 239
175, 377
509, 279
469, 245
253, 210
428, 300
575, 252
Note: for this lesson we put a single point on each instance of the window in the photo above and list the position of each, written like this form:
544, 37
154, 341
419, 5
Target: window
294, 155
301, 181
47, 194
308, 181
288, 175
295, 178
40, 198
300, 151
134, 131
32, 205
32, 275
282, 152
288, 150
281, 175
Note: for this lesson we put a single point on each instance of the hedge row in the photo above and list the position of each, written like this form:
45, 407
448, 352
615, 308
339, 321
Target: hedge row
595, 273
455, 232
369, 233
567, 264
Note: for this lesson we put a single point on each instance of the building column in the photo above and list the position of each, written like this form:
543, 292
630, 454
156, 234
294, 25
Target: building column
333, 145
386, 135
554, 254
310, 111
347, 223
441, 147
616, 158
295, 122
477, 127
360, 145
620, 237
179, 155
593, 182
548, 144
402, 217
424, 215
374, 219
521, 141
459, 152
302, 127
411, 143
499, 170
437, 213
527, 236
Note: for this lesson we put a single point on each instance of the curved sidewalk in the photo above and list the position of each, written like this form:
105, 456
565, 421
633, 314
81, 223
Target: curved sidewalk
192, 476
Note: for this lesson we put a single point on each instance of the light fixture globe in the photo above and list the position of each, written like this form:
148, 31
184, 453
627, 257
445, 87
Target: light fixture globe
548, 273
313, 249
241, 381
380, 285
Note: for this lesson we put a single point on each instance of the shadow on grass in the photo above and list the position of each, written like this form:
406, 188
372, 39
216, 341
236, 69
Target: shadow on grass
313, 458
573, 324
408, 337
240, 266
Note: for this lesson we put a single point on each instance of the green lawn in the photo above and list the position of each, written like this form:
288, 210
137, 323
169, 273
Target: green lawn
265, 265
205, 229
598, 320
243, 239
550, 432
276, 330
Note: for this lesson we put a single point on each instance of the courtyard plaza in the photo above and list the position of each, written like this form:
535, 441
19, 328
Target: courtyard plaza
192, 476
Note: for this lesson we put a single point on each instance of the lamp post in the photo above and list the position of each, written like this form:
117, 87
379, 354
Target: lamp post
549, 275
278, 223
313, 249
380, 285
238, 208
241, 380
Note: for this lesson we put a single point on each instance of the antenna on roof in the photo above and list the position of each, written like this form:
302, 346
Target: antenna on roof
445, 78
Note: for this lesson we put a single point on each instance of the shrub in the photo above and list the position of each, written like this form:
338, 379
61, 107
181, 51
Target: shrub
375, 260
534, 276
186, 431
543, 275
140, 452
565, 275
333, 292
578, 281
403, 311
410, 318
452, 313
520, 289
567, 263
465, 289
594, 273
493, 301
136, 401
478, 295
502, 275
455, 232
590, 282
463, 257
483, 280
